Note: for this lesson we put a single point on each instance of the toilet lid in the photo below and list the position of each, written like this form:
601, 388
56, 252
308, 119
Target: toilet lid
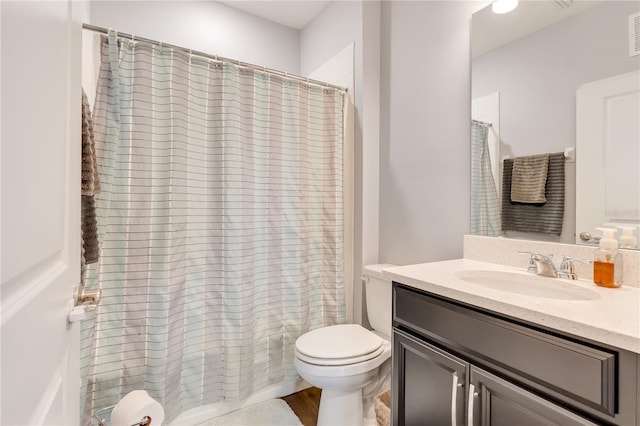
339, 342
339, 361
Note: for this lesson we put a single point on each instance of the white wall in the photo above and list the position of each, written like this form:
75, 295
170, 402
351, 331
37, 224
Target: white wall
336, 26
339, 24
207, 26
424, 146
537, 77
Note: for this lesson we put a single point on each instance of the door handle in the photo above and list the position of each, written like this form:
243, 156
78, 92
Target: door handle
87, 298
454, 398
587, 237
472, 396
83, 300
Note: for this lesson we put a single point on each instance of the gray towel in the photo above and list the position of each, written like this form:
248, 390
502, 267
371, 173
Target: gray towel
541, 218
90, 178
89, 227
529, 179
90, 186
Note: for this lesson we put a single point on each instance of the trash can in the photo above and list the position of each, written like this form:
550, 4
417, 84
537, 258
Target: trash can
382, 406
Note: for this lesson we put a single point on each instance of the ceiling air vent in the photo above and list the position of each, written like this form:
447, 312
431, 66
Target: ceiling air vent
564, 3
634, 34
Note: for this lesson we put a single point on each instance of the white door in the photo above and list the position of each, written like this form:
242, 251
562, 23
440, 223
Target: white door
40, 211
608, 154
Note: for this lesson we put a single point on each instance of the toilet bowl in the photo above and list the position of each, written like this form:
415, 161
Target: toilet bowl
342, 359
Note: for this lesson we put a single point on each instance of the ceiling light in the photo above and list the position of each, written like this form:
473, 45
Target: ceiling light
503, 6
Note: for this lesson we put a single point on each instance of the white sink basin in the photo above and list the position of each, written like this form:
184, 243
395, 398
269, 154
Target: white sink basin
527, 285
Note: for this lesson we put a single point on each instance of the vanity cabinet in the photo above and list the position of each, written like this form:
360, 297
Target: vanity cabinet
416, 363
455, 364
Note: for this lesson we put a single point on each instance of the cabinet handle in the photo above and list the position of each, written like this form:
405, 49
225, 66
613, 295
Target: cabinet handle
454, 399
472, 395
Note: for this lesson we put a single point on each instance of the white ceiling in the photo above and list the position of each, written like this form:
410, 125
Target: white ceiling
490, 31
293, 13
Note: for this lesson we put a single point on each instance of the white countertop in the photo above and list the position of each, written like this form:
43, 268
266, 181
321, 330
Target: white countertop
612, 318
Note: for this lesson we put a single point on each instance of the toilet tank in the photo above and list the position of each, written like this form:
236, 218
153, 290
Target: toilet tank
377, 290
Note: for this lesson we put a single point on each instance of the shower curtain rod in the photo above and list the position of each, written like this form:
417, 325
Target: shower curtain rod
105, 31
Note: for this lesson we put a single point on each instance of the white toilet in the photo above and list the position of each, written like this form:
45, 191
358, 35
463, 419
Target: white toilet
342, 359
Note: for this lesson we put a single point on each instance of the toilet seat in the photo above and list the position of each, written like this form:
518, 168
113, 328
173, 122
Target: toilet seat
339, 361
339, 345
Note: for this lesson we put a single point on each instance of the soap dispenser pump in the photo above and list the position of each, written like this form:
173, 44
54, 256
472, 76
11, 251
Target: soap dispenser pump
628, 239
607, 261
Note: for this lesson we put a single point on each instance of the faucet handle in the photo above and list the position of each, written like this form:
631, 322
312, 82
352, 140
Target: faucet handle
532, 268
567, 268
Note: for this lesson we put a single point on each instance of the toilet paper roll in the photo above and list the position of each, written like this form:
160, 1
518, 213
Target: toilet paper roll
134, 406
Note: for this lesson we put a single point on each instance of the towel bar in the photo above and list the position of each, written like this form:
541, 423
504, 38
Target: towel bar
569, 155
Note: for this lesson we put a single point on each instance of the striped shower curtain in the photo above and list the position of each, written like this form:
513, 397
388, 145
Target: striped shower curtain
485, 208
221, 224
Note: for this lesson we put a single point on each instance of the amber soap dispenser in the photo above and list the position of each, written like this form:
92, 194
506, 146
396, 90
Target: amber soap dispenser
607, 261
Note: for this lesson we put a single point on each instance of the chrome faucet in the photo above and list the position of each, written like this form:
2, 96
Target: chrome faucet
540, 264
567, 268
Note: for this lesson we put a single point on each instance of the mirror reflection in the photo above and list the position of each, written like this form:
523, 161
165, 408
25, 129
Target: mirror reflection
544, 167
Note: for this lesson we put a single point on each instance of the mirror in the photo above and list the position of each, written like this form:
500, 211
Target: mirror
527, 66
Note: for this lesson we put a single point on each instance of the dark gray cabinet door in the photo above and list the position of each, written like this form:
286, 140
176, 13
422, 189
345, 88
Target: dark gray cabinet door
496, 402
428, 384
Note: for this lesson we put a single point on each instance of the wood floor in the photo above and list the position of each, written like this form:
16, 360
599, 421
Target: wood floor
305, 404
